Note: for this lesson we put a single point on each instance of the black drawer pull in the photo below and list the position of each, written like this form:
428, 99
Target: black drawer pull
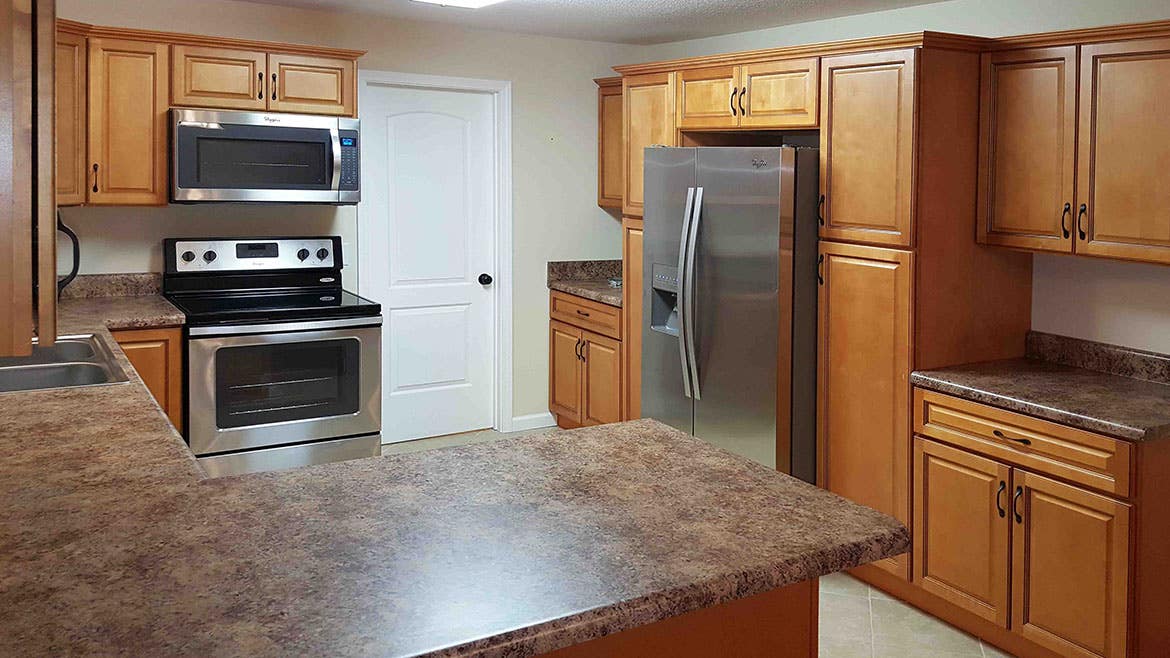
580, 312
1005, 437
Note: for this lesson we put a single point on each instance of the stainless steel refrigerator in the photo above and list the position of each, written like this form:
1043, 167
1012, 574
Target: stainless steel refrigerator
729, 301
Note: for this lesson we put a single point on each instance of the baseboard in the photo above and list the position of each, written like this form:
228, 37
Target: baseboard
531, 422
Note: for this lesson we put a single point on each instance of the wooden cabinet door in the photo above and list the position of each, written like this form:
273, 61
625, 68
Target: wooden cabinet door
565, 371
311, 85
632, 317
218, 77
781, 94
1123, 201
707, 98
1027, 148
609, 143
647, 120
157, 357
127, 122
867, 147
961, 551
864, 319
70, 88
602, 381
1070, 567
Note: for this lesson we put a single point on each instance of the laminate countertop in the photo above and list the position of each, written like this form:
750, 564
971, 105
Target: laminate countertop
113, 540
587, 278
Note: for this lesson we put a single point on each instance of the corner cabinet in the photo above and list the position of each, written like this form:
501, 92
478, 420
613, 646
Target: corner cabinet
648, 119
609, 142
585, 366
157, 357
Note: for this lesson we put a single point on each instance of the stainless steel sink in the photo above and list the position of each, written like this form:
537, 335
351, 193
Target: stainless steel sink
72, 361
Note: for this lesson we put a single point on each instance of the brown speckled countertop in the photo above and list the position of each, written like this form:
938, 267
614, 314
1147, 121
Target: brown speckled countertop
145, 312
587, 278
111, 539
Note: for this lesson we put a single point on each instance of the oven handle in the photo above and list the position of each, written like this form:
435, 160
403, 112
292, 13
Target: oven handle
284, 327
336, 137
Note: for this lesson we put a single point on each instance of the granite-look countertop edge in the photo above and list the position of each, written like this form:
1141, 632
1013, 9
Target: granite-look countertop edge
596, 290
117, 313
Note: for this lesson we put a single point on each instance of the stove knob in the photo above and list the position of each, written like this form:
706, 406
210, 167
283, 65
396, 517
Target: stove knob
322, 253
302, 254
188, 256
209, 256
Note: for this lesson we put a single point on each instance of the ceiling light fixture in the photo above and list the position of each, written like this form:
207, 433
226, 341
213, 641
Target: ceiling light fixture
465, 4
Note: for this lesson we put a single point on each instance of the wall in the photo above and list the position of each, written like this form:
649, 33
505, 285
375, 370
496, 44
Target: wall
1103, 300
554, 148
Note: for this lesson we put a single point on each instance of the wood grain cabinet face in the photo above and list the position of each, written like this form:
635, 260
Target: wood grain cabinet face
70, 83
157, 357
867, 147
1027, 150
864, 309
961, 550
609, 143
1124, 151
311, 85
565, 371
707, 98
782, 94
648, 120
602, 400
218, 77
632, 279
128, 97
1070, 568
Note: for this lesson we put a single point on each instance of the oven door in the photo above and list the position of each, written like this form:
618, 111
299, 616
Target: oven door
285, 384
251, 156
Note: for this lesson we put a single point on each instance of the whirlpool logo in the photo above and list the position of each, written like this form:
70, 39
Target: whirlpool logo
272, 119
759, 163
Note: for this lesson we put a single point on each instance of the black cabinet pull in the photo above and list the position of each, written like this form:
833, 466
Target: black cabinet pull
273, 86
731, 101
577, 349
998, 496
1005, 437
742, 109
95, 176
582, 313
821, 270
1016, 504
260, 94
1080, 221
1063, 215
821, 210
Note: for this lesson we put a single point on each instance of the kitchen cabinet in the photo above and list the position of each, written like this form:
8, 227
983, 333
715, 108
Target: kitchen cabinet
778, 94
565, 371
864, 353
312, 84
609, 142
602, 390
219, 77
867, 147
128, 99
585, 361
648, 119
71, 69
1027, 153
707, 97
632, 282
157, 357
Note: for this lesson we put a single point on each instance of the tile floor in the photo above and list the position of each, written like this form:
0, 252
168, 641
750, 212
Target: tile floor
856, 620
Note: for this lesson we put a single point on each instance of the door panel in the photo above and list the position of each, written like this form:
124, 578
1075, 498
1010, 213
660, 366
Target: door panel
565, 371
426, 221
311, 85
602, 381
1124, 151
218, 77
127, 122
961, 550
864, 316
632, 285
609, 145
867, 147
1070, 568
70, 81
648, 120
707, 97
1027, 153
157, 357
780, 94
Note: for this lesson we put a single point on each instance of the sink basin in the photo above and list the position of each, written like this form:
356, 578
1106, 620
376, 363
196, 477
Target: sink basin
72, 361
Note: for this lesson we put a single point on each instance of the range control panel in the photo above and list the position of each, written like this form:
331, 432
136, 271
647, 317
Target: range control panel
242, 255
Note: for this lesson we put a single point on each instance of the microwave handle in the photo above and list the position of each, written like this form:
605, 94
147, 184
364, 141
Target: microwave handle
336, 184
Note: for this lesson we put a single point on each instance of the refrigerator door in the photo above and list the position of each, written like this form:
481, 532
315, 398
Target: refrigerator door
669, 177
737, 299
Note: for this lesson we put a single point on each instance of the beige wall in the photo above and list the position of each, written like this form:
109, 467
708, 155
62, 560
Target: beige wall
554, 148
1109, 301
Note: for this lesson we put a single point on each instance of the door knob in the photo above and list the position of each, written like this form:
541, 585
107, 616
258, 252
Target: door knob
485, 279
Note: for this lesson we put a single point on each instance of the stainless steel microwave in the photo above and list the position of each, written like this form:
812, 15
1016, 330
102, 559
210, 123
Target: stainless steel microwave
264, 157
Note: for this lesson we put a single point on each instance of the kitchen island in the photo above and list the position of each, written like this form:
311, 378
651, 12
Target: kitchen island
113, 540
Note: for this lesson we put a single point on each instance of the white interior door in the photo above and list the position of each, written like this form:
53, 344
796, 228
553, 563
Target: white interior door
426, 234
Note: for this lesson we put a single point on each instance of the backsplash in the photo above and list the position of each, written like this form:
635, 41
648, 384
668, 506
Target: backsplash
1101, 357
579, 270
113, 285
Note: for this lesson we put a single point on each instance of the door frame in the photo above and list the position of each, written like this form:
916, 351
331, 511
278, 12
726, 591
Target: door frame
501, 93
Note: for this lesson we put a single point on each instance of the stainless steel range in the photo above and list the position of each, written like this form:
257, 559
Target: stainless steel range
283, 365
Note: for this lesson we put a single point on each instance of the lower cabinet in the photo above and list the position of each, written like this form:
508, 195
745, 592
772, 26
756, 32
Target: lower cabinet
157, 357
585, 376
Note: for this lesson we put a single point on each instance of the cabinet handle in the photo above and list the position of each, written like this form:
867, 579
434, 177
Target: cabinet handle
821, 210
584, 351
577, 349
95, 176
1005, 437
260, 94
580, 312
998, 496
273, 86
731, 101
1080, 223
1064, 214
1016, 504
742, 110
821, 270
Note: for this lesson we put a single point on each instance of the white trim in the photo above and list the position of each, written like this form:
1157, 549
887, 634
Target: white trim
533, 421
501, 91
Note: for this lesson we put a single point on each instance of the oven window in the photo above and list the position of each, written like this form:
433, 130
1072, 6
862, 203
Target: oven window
258, 384
258, 164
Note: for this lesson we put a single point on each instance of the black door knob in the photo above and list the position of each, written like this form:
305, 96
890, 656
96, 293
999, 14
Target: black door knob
485, 279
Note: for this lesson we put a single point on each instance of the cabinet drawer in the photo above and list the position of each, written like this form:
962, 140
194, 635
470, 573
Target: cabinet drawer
587, 314
1075, 455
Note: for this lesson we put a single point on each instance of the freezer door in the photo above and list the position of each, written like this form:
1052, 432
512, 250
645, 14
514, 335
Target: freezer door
737, 299
669, 174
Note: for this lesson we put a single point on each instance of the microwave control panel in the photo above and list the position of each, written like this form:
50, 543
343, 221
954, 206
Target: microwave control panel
351, 161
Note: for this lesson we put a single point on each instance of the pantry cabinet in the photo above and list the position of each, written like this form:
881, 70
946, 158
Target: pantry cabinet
609, 142
585, 361
70, 83
157, 357
648, 119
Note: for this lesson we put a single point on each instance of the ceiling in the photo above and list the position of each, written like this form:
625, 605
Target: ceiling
619, 21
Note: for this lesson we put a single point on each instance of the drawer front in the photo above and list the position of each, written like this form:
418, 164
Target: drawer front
587, 314
1092, 460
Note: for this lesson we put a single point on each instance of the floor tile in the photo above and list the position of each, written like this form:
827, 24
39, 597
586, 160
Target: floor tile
875, 593
844, 626
897, 625
992, 652
843, 584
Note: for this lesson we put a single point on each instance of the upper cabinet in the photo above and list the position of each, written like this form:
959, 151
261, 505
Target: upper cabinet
255, 80
764, 95
867, 147
312, 85
609, 142
707, 97
71, 83
648, 120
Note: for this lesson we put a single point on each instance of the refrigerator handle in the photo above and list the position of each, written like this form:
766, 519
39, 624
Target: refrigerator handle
682, 301
688, 288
